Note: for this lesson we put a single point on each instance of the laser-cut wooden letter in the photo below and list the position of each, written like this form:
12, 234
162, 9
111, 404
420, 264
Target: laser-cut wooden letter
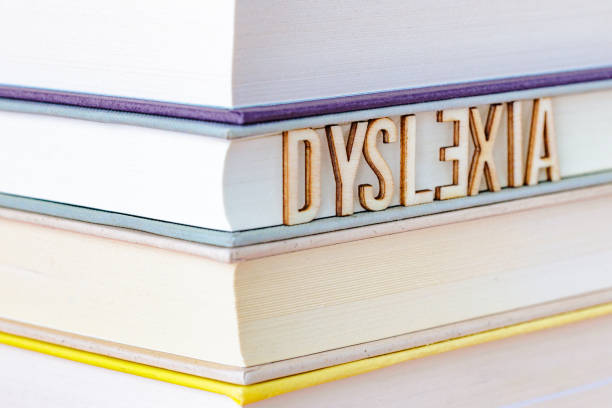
345, 160
292, 213
484, 141
408, 195
542, 151
515, 144
458, 154
378, 164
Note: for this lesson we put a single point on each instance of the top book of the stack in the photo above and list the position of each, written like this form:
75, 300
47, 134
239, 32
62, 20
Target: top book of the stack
232, 61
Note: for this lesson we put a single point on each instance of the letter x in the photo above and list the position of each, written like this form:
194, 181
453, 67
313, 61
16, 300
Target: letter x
484, 140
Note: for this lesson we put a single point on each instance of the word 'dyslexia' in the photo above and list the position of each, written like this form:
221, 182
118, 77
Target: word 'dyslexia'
362, 141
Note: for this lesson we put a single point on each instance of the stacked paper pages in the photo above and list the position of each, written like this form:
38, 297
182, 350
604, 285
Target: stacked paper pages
305, 204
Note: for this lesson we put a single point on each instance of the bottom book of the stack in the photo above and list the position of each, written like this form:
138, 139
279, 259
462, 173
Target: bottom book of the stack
559, 361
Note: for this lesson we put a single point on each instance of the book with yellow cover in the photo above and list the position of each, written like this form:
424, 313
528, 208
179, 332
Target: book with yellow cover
562, 357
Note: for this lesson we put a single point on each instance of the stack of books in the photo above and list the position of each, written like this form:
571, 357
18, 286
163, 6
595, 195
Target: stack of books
305, 204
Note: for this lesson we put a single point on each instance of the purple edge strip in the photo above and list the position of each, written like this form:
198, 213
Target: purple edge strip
268, 113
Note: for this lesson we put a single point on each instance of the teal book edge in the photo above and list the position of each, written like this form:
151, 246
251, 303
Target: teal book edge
282, 232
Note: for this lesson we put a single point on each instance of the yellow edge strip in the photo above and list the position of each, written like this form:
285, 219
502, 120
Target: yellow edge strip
245, 394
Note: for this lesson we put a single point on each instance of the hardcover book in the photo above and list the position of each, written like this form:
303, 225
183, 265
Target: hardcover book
305, 203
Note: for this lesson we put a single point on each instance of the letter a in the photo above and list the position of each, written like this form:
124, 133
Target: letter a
542, 151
